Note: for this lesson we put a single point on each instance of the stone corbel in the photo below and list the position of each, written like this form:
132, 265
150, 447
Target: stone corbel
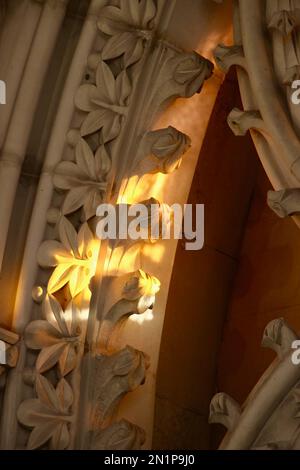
224, 410
240, 122
52, 405
138, 296
269, 417
285, 202
183, 75
279, 337
115, 376
227, 56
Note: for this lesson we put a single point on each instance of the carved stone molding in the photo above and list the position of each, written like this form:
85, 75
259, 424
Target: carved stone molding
77, 372
267, 64
269, 419
265, 80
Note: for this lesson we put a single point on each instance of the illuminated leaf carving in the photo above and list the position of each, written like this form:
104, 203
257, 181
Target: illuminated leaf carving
74, 257
138, 296
141, 287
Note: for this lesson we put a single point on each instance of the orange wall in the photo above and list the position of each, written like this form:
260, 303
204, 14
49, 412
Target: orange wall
202, 282
222, 297
266, 287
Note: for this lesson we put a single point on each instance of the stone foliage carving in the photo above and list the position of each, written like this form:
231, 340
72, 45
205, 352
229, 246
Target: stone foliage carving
164, 149
105, 102
119, 436
241, 121
112, 142
74, 257
138, 296
117, 375
48, 414
129, 27
85, 180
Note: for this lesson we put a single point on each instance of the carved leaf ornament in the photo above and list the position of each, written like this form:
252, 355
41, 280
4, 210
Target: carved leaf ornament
74, 257
57, 337
142, 287
85, 180
119, 436
105, 102
48, 414
129, 26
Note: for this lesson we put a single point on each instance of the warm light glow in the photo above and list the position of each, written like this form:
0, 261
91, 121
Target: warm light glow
84, 314
140, 319
94, 247
151, 186
155, 251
